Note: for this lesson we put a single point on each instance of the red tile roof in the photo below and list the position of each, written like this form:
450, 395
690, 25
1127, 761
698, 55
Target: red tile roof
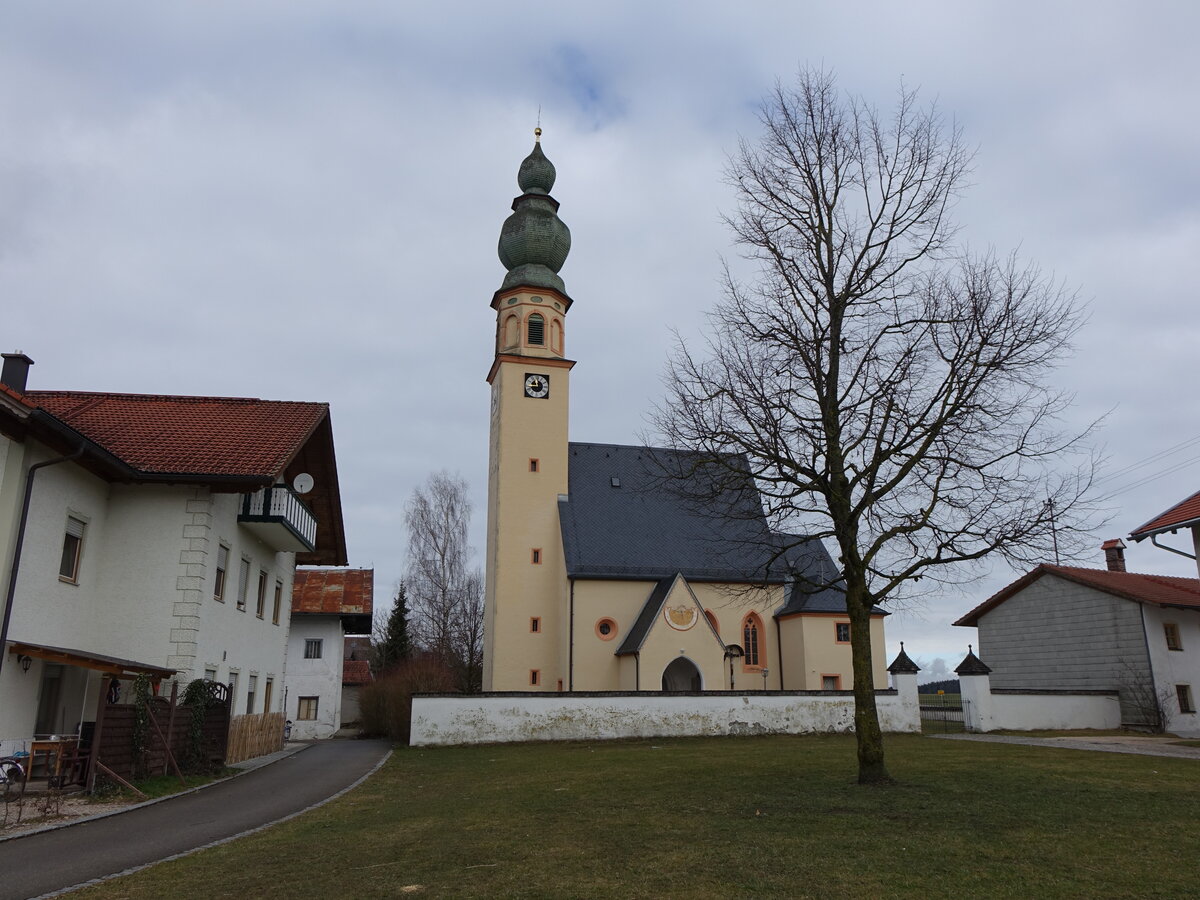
1157, 590
194, 436
1185, 513
333, 592
356, 671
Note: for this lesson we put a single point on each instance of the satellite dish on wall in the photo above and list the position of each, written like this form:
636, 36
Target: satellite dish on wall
303, 483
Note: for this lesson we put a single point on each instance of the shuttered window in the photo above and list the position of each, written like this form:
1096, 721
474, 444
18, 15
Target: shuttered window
537, 330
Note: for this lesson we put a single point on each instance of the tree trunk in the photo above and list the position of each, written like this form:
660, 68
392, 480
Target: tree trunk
871, 767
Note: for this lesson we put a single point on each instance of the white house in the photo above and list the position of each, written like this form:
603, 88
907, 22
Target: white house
326, 605
1071, 629
152, 534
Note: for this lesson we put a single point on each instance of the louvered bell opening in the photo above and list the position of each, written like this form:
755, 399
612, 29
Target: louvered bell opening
537, 330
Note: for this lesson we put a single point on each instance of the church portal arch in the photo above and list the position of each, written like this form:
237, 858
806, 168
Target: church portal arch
681, 674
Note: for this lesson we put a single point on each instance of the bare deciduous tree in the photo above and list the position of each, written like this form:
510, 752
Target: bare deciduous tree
889, 392
446, 597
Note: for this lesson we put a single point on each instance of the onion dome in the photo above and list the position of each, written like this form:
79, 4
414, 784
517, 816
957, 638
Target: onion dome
534, 241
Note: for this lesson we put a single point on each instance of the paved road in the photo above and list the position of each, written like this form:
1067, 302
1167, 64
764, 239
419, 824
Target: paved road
53, 860
1144, 746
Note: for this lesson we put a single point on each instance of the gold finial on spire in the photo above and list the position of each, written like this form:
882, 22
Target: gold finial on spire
537, 132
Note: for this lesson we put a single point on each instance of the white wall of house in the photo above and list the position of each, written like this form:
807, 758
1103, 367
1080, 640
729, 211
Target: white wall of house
570, 717
1173, 668
145, 590
320, 678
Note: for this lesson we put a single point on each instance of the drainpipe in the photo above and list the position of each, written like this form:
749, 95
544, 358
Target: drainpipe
1154, 541
571, 643
16, 563
779, 648
637, 670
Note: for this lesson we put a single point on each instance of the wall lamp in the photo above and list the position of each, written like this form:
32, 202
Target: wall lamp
24, 662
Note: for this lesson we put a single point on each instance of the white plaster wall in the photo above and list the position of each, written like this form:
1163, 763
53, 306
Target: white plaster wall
146, 579
985, 710
230, 638
1055, 712
1173, 667
444, 720
315, 677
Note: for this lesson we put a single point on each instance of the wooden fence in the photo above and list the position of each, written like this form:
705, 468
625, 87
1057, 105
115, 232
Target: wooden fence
254, 735
116, 738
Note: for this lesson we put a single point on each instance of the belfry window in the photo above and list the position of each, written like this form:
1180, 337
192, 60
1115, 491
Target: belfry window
537, 329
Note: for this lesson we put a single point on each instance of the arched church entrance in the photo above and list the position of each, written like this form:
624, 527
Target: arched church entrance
681, 675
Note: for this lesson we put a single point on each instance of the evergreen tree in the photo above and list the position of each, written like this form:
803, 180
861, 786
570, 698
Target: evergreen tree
393, 644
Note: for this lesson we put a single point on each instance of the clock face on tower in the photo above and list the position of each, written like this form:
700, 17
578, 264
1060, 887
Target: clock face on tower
537, 386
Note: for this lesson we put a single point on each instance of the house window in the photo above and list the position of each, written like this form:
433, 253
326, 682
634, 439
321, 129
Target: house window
842, 632
606, 629
251, 690
261, 604
222, 565
535, 556
751, 645
535, 624
831, 682
210, 674
1172, 633
308, 708
312, 648
533, 465
1183, 693
267, 695
233, 684
712, 620
535, 677
537, 330
278, 602
68, 567
243, 583
560, 684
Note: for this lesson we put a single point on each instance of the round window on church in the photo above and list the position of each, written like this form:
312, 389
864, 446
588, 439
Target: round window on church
606, 629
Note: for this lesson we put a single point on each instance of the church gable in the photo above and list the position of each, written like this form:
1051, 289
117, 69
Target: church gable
672, 636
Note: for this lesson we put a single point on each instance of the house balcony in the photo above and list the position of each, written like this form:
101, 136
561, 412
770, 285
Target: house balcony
280, 519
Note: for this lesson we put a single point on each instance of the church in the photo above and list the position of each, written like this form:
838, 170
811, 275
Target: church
603, 573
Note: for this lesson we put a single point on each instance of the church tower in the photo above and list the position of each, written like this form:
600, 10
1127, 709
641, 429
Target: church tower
525, 624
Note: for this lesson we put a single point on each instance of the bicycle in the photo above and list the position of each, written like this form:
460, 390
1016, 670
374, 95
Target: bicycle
12, 778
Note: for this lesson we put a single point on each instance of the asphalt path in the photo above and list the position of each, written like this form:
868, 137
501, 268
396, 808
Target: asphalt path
50, 861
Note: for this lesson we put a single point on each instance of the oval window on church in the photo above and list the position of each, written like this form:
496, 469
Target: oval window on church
537, 329
606, 629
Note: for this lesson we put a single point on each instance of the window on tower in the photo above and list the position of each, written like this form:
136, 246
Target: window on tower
537, 330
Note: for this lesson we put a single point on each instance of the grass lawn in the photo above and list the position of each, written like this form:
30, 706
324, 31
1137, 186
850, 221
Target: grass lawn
734, 817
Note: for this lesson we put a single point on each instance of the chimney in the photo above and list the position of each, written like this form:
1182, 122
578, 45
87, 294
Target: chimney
1114, 554
16, 371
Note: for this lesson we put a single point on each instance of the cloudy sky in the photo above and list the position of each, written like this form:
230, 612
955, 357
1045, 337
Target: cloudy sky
301, 200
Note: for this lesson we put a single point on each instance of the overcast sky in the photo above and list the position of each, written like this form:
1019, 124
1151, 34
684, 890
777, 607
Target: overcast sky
301, 200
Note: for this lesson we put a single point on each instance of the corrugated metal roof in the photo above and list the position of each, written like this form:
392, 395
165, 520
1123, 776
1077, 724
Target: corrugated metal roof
333, 592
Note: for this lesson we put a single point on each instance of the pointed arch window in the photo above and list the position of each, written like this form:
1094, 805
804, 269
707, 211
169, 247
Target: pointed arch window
536, 330
752, 642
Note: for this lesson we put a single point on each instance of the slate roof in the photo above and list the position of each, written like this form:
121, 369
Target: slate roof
196, 436
333, 592
624, 518
1157, 590
1180, 515
645, 620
